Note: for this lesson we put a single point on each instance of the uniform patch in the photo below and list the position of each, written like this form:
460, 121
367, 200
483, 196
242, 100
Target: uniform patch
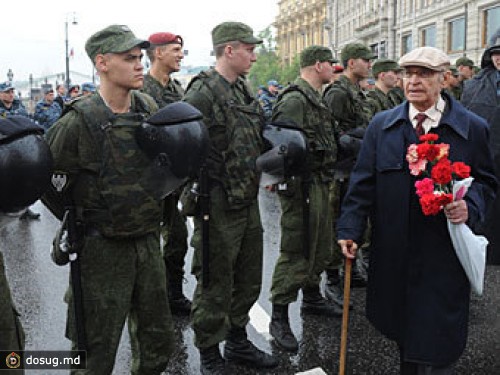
59, 181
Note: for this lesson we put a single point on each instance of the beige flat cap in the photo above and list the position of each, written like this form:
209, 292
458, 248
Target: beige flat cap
427, 57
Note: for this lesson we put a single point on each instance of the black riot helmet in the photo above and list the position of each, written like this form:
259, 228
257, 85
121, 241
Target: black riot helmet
286, 156
176, 140
25, 163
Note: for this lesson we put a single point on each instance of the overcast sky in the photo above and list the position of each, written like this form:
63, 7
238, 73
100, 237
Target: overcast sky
33, 37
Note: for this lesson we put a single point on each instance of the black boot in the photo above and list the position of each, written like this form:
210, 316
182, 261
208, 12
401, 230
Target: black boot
179, 304
239, 349
211, 361
280, 329
359, 274
334, 288
314, 303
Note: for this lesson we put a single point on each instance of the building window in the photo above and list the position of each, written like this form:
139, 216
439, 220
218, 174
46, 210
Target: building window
491, 23
406, 44
456, 35
429, 36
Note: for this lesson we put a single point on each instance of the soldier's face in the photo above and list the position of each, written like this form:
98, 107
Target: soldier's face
466, 72
422, 86
361, 68
390, 79
172, 57
325, 71
124, 69
243, 56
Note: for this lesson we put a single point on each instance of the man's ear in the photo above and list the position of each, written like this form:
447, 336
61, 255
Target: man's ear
101, 63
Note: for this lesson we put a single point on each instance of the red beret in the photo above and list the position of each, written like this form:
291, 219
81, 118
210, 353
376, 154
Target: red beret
338, 69
165, 38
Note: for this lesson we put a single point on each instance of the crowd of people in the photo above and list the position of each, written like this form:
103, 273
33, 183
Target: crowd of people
347, 189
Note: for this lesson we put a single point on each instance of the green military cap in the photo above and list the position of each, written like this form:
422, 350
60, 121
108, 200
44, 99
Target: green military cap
113, 39
311, 54
233, 31
385, 65
464, 61
356, 51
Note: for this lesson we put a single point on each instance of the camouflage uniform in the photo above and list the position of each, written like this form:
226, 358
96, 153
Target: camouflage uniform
122, 270
302, 104
17, 109
233, 118
396, 95
11, 331
46, 114
350, 110
174, 228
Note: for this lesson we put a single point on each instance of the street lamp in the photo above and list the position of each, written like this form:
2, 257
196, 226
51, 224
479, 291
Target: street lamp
10, 75
74, 22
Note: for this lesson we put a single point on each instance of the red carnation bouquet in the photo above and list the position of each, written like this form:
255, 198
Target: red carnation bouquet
430, 159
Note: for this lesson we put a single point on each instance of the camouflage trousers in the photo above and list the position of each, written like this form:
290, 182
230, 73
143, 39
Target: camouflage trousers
175, 236
11, 331
293, 271
338, 189
235, 270
123, 278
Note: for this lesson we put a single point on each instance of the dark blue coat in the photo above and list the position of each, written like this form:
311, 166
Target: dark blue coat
418, 293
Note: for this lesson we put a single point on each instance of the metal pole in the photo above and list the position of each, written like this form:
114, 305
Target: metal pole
67, 54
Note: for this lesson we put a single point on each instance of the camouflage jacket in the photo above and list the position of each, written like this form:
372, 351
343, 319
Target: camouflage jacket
104, 171
16, 109
47, 114
163, 95
379, 100
303, 105
397, 95
234, 119
347, 104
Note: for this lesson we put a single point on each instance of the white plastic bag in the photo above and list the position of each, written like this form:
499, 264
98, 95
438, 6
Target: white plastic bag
470, 248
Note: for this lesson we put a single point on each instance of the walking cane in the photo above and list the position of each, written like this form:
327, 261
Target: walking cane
345, 312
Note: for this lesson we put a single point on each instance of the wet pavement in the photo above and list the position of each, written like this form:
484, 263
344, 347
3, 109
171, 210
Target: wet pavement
38, 287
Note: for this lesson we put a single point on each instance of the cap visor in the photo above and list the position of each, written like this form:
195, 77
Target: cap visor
251, 40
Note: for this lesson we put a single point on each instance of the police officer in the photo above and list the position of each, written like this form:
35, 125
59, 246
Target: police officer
9, 104
101, 169
306, 222
385, 72
234, 119
352, 113
165, 54
47, 111
25, 170
268, 97
88, 88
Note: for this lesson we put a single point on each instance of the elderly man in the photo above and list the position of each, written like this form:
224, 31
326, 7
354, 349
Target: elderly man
234, 121
166, 54
482, 96
418, 294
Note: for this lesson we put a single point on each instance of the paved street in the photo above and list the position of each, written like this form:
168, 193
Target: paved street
38, 287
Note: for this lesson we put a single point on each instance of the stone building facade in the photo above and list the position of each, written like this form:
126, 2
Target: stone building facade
390, 27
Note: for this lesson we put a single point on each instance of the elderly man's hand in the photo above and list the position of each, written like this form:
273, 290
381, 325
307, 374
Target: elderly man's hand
457, 212
349, 248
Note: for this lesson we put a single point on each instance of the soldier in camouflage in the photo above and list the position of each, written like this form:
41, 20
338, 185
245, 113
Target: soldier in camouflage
165, 54
306, 236
451, 83
97, 157
465, 68
352, 113
9, 104
234, 119
385, 72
